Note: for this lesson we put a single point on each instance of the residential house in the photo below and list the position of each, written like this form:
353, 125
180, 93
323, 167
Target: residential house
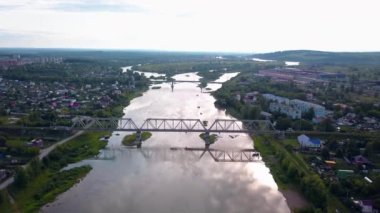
36, 143
309, 143
366, 205
361, 160
250, 98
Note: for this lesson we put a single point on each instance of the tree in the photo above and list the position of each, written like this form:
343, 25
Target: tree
3, 141
283, 123
372, 147
325, 153
303, 125
292, 172
309, 115
332, 144
1, 197
326, 125
314, 189
35, 167
21, 178
336, 188
376, 203
351, 149
203, 83
339, 153
254, 113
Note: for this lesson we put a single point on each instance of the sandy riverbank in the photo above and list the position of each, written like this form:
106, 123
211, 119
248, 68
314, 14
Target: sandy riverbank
294, 199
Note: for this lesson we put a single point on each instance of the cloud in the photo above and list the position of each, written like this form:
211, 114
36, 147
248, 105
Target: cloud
16, 39
96, 6
5, 35
186, 15
8, 7
192, 25
21, 38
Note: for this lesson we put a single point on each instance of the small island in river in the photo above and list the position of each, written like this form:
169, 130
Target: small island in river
129, 140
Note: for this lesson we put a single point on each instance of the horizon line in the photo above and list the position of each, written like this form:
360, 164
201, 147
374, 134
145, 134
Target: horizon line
181, 51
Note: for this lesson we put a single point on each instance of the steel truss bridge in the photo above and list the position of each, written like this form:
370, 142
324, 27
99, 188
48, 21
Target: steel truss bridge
86, 123
184, 81
180, 153
173, 125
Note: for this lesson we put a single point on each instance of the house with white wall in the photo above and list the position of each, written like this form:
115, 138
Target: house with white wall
306, 142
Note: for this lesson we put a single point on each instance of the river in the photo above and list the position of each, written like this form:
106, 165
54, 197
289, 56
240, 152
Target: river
156, 179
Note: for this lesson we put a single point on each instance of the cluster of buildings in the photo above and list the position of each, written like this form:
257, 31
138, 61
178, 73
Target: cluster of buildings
357, 167
17, 60
360, 123
22, 97
294, 108
299, 76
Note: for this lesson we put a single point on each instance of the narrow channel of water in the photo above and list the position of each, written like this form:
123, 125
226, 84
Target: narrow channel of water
156, 179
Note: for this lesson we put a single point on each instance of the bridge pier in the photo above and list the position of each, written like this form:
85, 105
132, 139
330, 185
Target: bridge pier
207, 140
138, 141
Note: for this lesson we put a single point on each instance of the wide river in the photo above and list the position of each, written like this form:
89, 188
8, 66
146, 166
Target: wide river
157, 179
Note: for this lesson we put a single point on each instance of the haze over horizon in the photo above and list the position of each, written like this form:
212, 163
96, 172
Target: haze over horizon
191, 25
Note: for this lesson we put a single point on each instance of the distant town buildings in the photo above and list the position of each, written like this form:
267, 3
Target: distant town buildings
294, 108
23, 97
17, 60
251, 97
299, 76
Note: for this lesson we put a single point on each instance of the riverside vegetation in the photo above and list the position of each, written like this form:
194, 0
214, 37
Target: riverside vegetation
43, 181
290, 171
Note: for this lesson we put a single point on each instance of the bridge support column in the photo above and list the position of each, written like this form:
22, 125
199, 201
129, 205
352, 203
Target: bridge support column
138, 141
207, 140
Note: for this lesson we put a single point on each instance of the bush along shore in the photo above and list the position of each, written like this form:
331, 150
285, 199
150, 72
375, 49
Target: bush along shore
42, 181
292, 173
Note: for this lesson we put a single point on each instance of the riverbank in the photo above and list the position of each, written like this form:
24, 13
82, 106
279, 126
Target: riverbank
296, 180
116, 110
42, 181
294, 197
51, 182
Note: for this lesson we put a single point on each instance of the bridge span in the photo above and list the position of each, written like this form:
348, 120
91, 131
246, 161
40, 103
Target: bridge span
173, 125
183, 153
85, 123
184, 81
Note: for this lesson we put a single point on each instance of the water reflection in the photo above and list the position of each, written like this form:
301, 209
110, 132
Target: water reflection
173, 182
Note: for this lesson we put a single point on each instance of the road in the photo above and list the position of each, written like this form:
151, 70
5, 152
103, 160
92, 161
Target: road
44, 153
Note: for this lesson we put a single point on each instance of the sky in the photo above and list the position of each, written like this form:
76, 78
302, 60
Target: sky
192, 25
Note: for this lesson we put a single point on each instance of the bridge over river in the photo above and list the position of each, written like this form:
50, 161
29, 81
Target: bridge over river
174, 125
182, 153
184, 81
85, 123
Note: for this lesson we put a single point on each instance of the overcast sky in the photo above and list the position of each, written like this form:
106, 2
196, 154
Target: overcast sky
192, 25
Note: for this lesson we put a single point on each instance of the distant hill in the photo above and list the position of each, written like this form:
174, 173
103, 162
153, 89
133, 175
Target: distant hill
319, 57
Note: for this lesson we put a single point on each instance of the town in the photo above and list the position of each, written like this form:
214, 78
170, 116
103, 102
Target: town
53, 100
329, 121
189, 106
329, 130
